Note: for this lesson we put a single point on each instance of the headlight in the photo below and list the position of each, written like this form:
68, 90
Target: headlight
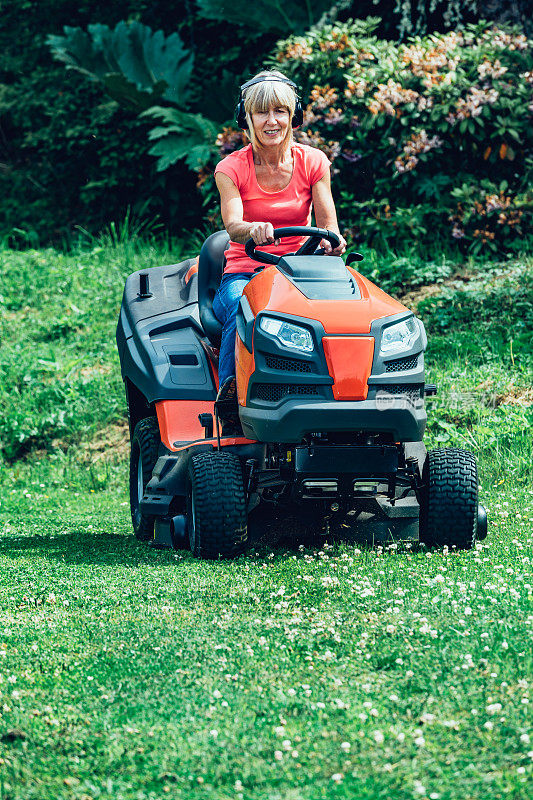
399, 337
289, 335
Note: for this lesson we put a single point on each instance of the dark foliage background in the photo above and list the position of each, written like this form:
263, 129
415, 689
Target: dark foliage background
69, 157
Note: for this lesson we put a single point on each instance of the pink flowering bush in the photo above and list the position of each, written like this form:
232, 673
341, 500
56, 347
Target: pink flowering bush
430, 139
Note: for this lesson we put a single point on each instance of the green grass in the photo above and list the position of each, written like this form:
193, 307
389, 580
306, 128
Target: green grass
291, 673
131, 673
60, 379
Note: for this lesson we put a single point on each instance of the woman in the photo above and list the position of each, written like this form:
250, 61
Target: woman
271, 183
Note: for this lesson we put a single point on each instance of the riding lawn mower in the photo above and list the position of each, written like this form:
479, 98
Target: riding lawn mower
330, 400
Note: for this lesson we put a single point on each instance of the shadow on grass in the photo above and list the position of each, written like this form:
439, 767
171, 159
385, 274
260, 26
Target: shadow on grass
82, 547
85, 547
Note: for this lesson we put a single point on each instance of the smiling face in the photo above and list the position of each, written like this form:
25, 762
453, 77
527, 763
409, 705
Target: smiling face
271, 126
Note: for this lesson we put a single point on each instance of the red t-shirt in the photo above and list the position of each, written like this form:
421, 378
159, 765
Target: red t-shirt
290, 206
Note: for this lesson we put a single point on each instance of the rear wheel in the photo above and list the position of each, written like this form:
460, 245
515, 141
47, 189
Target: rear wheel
143, 457
449, 502
216, 512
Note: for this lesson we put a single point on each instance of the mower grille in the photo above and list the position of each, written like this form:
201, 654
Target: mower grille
401, 364
273, 392
412, 391
288, 364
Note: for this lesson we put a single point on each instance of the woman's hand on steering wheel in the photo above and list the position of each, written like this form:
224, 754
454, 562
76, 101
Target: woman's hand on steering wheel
263, 233
329, 250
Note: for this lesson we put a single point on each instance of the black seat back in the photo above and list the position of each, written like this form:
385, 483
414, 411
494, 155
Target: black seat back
210, 268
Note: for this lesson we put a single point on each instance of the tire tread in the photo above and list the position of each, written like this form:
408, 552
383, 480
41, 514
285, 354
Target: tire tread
220, 506
145, 440
448, 513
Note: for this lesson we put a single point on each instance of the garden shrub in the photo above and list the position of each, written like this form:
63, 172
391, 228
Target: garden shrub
429, 139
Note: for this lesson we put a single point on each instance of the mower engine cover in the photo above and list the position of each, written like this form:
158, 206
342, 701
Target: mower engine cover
317, 346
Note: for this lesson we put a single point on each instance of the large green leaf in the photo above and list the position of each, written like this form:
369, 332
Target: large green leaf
190, 137
283, 16
136, 65
174, 147
127, 94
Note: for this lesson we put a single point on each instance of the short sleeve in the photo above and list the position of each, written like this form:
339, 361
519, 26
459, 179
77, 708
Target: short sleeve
230, 166
319, 164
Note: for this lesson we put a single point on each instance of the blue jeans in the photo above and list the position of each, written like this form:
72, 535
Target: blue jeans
225, 306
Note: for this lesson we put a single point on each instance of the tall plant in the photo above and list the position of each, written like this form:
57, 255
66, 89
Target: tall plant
142, 69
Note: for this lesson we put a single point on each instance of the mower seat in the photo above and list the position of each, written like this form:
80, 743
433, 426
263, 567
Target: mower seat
210, 268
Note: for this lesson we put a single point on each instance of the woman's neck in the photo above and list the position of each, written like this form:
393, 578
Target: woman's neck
272, 158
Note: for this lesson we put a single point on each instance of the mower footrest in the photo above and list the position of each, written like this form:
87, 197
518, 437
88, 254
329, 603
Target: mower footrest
403, 508
156, 505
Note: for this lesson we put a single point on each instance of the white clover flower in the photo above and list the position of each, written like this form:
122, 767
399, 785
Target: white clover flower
278, 755
346, 746
378, 737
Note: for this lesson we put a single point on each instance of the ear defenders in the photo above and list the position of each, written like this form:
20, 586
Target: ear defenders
240, 114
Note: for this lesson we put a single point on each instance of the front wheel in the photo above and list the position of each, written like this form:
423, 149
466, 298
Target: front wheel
143, 457
449, 502
216, 506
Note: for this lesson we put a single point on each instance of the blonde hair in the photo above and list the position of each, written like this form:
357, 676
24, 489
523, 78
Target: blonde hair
269, 94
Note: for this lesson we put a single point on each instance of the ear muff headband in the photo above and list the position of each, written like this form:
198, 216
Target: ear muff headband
240, 114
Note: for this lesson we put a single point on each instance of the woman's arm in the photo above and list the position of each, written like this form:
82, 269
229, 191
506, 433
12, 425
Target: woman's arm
232, 216
325, 214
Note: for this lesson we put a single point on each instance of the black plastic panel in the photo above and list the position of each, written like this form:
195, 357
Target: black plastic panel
320, 277
296, 417
168, 289
352, 459
245, 323
159, 337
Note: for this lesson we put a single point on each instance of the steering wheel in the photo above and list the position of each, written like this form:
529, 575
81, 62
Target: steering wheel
308, 247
